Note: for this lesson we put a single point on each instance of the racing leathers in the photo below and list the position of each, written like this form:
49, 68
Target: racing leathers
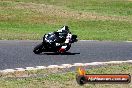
66, 35
66, 44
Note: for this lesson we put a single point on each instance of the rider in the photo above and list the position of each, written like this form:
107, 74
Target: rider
64, 34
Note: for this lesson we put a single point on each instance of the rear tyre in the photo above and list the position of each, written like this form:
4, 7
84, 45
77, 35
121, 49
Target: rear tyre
68, 47
38, 49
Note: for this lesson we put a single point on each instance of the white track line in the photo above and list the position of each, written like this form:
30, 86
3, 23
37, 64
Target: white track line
40, 67
64, 66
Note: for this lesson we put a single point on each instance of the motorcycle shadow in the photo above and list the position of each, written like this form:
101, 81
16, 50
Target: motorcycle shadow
66, 53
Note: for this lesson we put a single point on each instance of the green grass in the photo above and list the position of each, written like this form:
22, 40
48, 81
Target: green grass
104, 30
89, 19
65, 80
23, 31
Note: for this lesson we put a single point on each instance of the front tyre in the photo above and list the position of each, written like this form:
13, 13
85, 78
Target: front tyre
38, 49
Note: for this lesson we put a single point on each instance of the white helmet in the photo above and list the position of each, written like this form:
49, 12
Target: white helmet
64, 29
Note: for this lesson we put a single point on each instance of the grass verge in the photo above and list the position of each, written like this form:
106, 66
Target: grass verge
89, 19
64, 80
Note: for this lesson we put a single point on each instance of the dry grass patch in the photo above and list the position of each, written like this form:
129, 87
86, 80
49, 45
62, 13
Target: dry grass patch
130, 0
55, 11
51, 14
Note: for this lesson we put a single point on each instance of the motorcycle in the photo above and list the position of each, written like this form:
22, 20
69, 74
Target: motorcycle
49, 44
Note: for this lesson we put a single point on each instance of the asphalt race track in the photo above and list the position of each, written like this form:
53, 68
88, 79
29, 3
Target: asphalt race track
18, 54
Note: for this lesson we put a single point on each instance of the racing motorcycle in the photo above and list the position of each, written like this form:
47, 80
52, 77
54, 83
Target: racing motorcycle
49, 44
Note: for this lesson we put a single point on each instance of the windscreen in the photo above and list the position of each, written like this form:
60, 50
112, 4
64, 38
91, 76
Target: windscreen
51, 37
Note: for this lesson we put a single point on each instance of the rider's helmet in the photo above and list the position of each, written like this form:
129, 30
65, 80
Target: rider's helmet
62, 33
64, 29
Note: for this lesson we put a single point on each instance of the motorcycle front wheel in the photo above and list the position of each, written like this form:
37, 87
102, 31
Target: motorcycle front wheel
38, 49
